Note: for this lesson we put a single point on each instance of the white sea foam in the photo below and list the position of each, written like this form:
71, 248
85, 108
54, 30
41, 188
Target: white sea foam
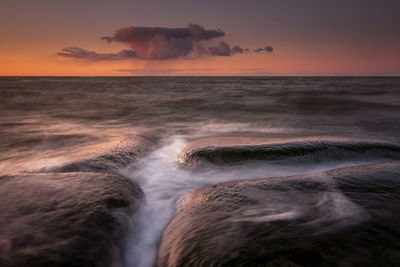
164, 182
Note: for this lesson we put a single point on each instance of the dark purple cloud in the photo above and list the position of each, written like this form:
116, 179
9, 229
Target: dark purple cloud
160, 43
127, 54
80, 53
142, 35
236, 50
268, 49
163, 43
223, 49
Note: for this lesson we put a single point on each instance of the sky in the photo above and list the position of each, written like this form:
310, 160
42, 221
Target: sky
219, 37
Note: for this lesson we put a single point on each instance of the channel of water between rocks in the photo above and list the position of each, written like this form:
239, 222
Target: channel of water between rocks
164, 182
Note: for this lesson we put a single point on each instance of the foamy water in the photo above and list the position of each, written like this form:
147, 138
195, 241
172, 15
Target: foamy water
164, 182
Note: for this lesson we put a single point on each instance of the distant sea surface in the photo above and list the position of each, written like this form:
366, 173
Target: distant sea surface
48, 121
46, 115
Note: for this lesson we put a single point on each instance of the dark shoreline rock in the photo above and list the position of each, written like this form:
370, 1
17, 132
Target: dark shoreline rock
121, 156
232, 150
64, 219
343, 217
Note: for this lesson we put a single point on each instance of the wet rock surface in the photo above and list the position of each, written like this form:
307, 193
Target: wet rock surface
64, 219
230, 150
118, 157
343, 217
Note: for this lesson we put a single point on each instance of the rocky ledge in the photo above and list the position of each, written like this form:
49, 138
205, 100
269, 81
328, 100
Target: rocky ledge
64, 219
343, 217
111, 158
228, 150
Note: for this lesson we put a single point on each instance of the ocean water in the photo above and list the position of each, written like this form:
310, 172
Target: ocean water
49, 121
42, 119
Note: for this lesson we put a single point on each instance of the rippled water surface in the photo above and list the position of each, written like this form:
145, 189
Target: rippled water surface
47, 121
53, 115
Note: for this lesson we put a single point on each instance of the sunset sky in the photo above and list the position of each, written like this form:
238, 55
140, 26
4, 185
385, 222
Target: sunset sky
219, 37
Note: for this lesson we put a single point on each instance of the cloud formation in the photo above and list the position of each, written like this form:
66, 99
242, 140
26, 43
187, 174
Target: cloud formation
268, 49
160, 43
163, 43
79, 53
223, 49
236, 50
136, 36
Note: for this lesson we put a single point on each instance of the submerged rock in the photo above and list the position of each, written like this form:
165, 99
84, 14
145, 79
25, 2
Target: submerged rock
233, 149
344, 217
120, 156
64, 219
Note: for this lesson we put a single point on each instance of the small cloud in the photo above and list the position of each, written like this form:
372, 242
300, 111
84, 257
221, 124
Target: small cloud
268, 49
237, 50
80, 53
222, 49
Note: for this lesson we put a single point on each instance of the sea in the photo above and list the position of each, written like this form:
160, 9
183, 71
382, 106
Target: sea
50, 121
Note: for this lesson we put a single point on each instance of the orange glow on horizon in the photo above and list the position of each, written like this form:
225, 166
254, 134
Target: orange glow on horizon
282, 62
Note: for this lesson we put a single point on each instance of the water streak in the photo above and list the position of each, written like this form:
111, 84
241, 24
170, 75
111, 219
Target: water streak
164, 182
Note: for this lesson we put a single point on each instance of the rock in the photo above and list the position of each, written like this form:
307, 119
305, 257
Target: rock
346, 217
64, 219
234, 149
118, 156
